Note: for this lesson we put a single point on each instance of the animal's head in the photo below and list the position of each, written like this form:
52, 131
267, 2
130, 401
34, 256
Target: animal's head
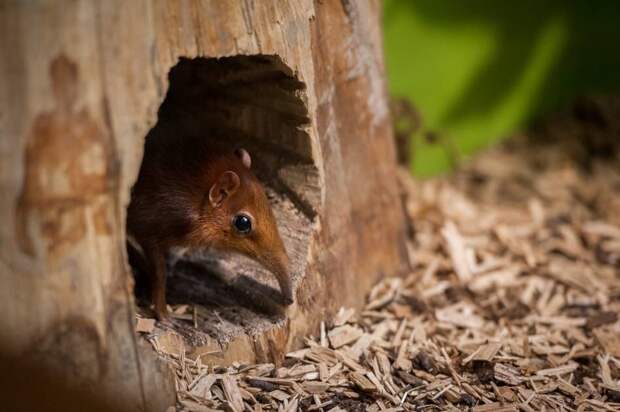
239, 218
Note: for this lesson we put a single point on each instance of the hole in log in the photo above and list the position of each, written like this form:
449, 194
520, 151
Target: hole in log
255, 102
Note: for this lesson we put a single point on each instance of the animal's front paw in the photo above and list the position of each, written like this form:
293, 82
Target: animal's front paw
161, 313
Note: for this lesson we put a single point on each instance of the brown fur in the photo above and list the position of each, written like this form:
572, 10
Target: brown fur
171, 206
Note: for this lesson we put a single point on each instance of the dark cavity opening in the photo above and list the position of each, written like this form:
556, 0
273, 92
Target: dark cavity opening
255, 102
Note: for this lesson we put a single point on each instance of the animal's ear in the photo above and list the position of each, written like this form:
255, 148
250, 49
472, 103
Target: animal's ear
224, 186
243, 154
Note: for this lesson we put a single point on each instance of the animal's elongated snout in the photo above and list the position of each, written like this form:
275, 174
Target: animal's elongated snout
286, 288
279, 266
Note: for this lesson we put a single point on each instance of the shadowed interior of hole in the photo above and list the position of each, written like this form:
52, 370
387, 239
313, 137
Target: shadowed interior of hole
257, 103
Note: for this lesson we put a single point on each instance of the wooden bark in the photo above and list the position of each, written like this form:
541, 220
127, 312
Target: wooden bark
80, 88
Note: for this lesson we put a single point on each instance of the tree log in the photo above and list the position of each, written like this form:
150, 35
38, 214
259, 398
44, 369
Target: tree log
299, 82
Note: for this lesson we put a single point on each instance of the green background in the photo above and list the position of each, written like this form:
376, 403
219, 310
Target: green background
478, 70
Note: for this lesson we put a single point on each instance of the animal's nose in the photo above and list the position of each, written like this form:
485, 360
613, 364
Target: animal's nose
286, 290
287, 299
282, 273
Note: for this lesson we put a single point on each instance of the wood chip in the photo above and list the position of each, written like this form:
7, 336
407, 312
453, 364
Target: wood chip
202, 386
495, 407
484, 353
279, 395
343, 335
560, 370
609, 340
401, 361
343, 316
315, 387
460, 314
362, 382
144, 325
506, 374
457, 250
361, 345
231, 391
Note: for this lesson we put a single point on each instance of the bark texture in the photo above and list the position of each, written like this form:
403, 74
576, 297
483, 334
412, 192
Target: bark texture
81, 85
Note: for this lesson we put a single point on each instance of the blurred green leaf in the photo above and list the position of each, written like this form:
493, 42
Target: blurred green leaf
481, 69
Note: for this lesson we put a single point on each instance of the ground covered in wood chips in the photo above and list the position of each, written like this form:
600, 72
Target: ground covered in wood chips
512, 303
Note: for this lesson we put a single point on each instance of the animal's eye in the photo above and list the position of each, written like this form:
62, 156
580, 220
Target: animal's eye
242, 224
